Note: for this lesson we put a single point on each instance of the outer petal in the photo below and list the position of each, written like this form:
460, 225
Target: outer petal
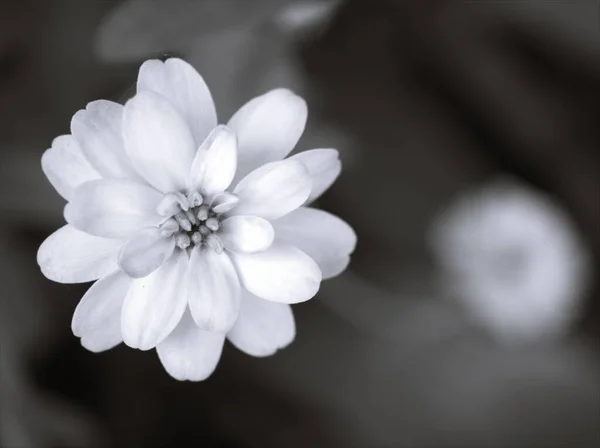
158, 141
185, 89
113, 208
97, 318
324, 237
268, 127
281, 273
66, 167
72, 256
145, 252
247, 234
190, 353
273, 190
324, 167
336, 267
215, 162
263, 327
98, 129
214, 290
154, 304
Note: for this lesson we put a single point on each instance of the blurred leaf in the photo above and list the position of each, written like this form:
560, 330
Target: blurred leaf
239, 64
139, 28
307, 17
573, 23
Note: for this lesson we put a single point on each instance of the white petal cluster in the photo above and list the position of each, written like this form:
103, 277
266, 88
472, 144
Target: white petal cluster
514, 259
196, 232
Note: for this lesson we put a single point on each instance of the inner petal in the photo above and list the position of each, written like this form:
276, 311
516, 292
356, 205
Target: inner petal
145, 252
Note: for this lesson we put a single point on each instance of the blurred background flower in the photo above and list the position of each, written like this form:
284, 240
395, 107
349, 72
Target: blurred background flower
514, 259
427, 102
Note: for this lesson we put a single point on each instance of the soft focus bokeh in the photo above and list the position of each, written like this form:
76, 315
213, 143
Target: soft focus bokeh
469, 134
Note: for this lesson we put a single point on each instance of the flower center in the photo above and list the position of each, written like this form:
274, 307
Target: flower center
192, 220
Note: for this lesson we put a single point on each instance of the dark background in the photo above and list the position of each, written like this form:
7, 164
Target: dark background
425, 100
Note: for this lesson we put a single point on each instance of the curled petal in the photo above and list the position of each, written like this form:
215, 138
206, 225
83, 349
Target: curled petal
224, 202
215, 162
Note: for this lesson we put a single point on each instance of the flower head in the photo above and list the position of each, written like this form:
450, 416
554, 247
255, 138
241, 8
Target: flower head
514, 259
194, 231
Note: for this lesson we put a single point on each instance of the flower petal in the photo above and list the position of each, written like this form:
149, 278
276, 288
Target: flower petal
263, 327
66, 167
281, 273
72, 256
214, 290
273, 190
215, 162
185, 89
246, 234
145, 252
322, 236
98, 129
324, 167
190, 353
154, 304
268, 127
158, 141
113, 208
335, 267
97, 318
224, 202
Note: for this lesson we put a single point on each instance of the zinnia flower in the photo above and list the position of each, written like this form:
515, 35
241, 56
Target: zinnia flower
194, 231
514, 259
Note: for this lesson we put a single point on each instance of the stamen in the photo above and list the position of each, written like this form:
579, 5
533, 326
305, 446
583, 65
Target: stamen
192, 221
183, 202
182, 240
212, 224
169, 227
197, 238
182, 220
195, 199
215, 243
190, 216
203, 213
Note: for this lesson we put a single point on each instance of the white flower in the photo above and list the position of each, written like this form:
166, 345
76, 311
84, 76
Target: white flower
195, 231
515, 261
